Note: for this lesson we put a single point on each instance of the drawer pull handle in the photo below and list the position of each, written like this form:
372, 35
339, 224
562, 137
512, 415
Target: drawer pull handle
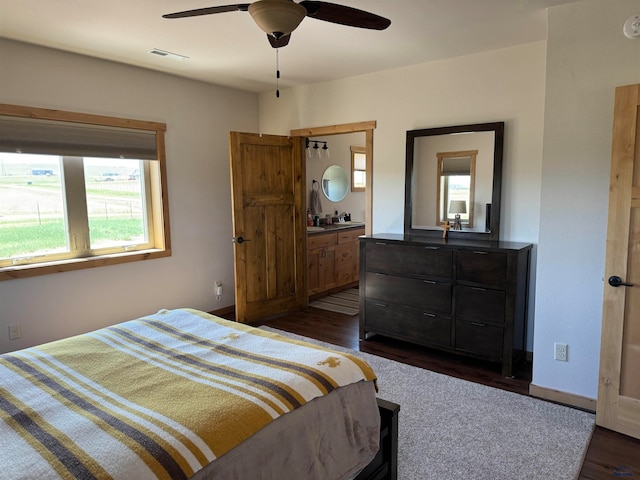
380, 243
428, 314
478, 288
381, 305
430, 282
478, 252
476, 324
381, 274
432, 248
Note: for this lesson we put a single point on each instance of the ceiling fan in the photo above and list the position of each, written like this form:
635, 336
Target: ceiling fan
278, 18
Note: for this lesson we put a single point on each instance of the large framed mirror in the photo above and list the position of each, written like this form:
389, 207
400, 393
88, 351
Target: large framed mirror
454, 174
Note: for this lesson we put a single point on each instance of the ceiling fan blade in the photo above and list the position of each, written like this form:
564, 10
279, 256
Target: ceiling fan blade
279, 42
352, 17
242, 7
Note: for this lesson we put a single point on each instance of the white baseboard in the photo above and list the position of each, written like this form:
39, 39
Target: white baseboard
565, 398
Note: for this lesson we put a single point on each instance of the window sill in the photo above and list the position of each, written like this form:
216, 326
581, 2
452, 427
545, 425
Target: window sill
45, 268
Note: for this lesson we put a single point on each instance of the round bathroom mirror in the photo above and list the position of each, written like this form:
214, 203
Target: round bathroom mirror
335, 183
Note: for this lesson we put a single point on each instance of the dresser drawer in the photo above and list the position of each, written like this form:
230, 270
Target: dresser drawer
479, 339
432, 296
481, 267
480, 304
412, 260
321, 241
416, 325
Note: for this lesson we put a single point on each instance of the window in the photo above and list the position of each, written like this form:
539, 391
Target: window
358, 169
79, 191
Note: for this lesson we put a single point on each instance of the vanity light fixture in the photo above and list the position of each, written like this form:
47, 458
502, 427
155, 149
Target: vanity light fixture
316, 151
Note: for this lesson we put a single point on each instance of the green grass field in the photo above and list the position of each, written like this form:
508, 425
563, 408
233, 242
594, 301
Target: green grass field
50, 235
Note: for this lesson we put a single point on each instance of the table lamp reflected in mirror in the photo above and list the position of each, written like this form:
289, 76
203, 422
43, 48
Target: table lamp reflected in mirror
457, 207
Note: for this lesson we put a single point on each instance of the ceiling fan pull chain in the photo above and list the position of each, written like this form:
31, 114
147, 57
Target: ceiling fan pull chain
277, 73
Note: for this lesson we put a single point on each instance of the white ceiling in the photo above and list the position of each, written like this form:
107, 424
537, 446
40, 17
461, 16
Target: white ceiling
229, 49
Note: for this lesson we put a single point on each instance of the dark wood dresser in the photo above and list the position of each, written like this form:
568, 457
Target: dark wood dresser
463, 296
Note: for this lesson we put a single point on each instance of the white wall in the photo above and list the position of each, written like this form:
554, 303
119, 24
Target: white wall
340, 154
198, 118
588, 56
503, 85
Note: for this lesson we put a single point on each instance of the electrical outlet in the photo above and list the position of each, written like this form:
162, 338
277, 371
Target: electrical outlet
218, 289
560, 351
14, 332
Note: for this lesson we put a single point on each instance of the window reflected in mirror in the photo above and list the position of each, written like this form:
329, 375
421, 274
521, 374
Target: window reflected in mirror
358, 169
455, 187
429, 192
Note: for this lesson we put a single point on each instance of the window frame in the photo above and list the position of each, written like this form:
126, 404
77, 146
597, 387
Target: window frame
159, 234
358, 151
442, 190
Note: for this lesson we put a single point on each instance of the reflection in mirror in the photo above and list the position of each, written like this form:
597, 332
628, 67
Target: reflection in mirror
455, 188
457, 163
335, 183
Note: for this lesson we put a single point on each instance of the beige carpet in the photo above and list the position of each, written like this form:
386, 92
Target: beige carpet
455, 429
346, 301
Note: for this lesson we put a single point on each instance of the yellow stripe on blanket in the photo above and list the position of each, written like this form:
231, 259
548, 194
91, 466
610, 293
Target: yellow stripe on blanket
33, 433
157, 397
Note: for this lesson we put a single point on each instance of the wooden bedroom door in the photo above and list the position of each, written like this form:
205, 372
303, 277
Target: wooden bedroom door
269, 224
618, 405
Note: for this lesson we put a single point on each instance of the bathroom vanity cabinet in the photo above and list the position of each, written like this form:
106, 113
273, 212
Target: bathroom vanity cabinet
463, 296
332, 258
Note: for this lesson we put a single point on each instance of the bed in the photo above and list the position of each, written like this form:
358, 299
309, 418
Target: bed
186, 395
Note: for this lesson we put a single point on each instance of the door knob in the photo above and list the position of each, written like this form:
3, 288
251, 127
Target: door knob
616, 281
239, 240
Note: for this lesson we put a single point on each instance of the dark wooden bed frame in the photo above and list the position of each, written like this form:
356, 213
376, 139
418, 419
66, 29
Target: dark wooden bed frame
385, 465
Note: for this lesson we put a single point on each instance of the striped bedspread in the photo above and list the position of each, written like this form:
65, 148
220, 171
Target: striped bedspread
157, 397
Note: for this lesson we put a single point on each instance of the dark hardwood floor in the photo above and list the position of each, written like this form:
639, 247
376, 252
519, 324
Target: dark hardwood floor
610, 454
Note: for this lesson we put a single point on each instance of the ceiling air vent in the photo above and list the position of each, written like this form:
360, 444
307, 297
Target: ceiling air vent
163, 53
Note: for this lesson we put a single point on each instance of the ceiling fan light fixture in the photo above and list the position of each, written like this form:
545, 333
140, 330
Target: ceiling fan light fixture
277, 17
